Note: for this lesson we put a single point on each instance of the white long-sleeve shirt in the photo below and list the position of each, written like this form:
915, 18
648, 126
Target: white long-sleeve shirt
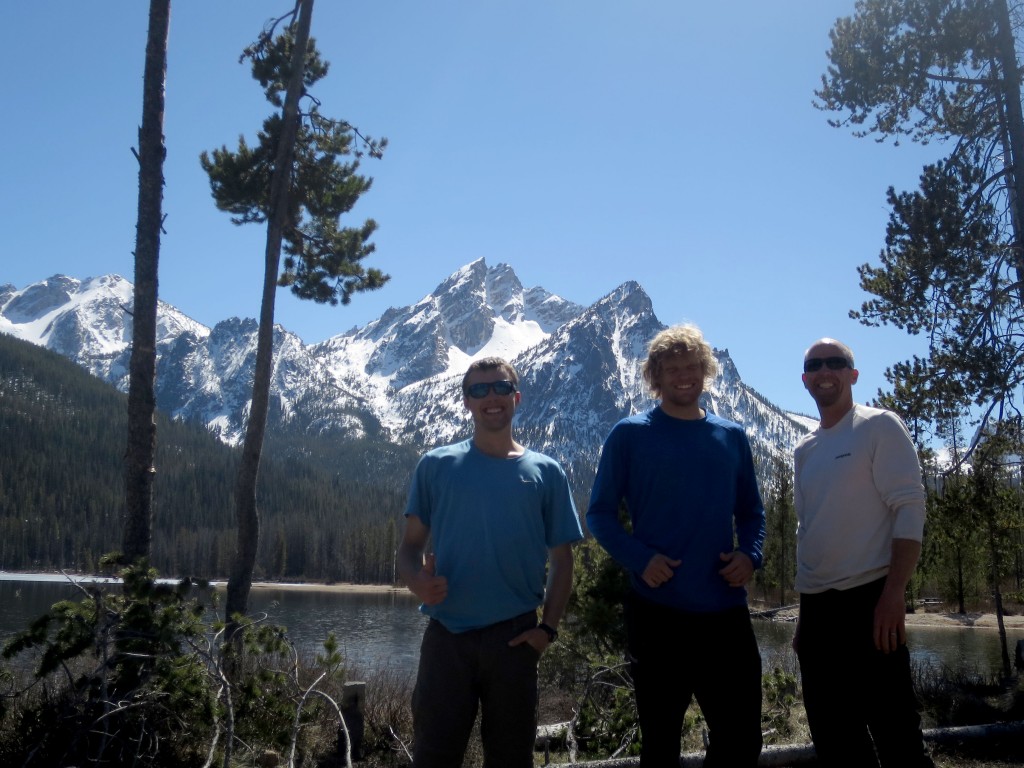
857, 487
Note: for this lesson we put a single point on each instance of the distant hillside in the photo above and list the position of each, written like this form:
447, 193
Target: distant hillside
331, 510
348, 417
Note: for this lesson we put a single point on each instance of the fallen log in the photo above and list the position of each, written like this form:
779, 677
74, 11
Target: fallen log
769, 613
784, 755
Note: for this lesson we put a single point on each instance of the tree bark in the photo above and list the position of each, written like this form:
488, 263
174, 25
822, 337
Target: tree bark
246, 513
1014, 115
998, 599
139, 469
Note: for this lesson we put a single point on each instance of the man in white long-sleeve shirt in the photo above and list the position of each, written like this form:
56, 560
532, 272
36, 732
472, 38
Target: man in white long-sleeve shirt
860, 508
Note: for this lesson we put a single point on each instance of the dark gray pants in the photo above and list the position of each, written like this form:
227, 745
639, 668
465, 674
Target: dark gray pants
677, 656
860, 702
459, 673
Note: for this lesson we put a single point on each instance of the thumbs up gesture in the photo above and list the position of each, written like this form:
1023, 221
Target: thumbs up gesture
428, 586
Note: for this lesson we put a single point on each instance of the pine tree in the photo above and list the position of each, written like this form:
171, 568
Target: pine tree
943, 72
293, 181
779, 568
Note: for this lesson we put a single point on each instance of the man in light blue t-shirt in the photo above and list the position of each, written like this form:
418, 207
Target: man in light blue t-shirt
497, 515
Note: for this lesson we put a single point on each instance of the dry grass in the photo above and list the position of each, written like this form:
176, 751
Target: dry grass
949, 700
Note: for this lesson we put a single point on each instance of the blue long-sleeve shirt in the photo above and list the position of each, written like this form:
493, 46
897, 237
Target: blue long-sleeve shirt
691, 493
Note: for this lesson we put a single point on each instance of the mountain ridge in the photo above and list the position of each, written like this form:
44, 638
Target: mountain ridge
397, 377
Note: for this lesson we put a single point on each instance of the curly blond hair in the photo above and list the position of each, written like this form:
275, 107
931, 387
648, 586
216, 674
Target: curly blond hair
675, 341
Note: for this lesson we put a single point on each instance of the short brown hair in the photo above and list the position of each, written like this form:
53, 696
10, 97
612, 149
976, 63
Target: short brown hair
491, 364
675, 341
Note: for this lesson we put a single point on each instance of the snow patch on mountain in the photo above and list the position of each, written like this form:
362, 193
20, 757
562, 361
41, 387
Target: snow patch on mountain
398, 377
89, 321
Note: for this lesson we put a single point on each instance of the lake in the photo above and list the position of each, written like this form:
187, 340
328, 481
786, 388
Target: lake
382, 630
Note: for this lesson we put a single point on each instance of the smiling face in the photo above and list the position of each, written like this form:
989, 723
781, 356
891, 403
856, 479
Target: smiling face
679, 381
832, 390
493, 412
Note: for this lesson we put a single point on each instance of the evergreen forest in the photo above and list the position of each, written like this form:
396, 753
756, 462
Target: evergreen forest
332, 510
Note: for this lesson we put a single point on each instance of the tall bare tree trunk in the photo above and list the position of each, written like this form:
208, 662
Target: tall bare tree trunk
139, 469
997, 595
246, 513
1014, 139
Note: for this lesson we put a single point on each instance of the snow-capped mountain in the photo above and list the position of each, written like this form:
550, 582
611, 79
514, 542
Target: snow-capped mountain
398, 377
86, 320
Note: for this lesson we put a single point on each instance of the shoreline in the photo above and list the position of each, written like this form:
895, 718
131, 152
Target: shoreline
364, 589
922, 618
969, 620
87, 578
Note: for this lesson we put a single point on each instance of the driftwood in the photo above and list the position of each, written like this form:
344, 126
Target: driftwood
803, 754
552, 731
769, 613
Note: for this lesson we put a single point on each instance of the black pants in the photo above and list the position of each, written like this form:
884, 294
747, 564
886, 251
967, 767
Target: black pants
459, 673
860, 702
712, 656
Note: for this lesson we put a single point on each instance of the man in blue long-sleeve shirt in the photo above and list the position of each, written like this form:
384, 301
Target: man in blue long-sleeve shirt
686, 478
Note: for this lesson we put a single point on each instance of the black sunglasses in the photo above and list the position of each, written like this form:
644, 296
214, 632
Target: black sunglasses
812, 364
479, 391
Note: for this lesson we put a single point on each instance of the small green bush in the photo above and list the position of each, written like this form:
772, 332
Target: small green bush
135, 674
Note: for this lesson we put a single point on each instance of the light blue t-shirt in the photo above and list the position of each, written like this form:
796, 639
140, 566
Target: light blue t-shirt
492, 521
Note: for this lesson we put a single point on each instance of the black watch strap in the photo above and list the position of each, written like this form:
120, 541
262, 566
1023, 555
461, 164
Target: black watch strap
551, 632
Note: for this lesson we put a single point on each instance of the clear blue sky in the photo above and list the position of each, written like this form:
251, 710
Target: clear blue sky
583, 142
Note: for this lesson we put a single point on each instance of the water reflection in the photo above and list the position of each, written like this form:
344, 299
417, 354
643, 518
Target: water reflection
374, 631
961, 649
380, 631
965, 650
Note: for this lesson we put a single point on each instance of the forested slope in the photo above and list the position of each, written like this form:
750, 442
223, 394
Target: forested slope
331, 511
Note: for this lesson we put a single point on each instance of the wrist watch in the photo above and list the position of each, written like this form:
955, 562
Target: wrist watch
551, 632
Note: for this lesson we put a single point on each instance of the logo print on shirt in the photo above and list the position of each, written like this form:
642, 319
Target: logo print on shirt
844, 455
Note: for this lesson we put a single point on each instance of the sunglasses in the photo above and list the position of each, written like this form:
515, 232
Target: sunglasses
812, 364
479, 391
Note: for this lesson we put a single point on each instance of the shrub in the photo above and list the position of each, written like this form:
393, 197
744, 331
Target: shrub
134, 674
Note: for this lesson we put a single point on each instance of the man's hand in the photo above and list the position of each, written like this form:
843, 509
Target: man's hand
430, 588
738, 569
535, 637
890, 628
659, 570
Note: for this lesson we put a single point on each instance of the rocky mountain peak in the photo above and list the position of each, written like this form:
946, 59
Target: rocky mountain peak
397, 377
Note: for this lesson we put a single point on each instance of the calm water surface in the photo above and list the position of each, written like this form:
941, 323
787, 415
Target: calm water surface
382, 631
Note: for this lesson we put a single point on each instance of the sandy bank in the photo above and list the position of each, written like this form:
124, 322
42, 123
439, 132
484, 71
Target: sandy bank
80, 578
969, 620
363, 589
972, 620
